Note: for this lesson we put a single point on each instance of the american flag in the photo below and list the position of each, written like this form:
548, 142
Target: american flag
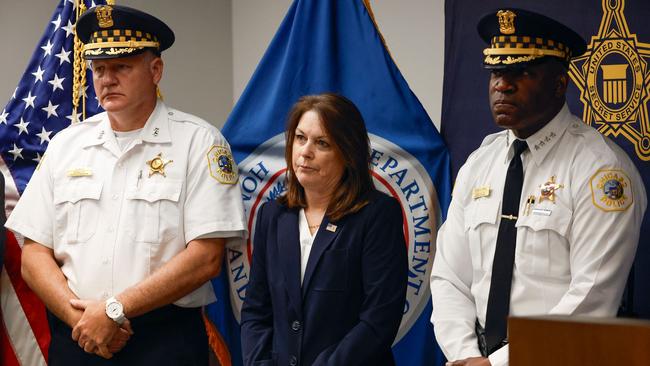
40, 106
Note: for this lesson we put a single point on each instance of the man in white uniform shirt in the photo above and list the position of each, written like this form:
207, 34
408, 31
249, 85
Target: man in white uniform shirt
126, 218
545, 215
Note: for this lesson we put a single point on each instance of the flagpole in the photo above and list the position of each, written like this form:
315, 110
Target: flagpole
366, 3
79, 67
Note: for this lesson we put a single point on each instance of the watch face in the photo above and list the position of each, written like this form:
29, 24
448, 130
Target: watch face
114, 309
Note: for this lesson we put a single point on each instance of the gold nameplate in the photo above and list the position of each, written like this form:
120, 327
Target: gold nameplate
542, 212
481, 192
79, 172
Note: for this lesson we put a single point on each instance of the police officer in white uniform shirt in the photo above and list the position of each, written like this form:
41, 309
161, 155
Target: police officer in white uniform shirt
126, 218
545, 215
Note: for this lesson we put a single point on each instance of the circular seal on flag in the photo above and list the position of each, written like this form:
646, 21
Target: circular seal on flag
394, 171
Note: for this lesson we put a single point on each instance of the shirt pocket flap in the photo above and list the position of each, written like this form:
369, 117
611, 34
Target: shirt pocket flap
482, 211
170, 190
556, 217
73, 193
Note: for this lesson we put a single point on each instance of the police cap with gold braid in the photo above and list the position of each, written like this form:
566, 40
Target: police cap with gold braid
518, 37
114, 31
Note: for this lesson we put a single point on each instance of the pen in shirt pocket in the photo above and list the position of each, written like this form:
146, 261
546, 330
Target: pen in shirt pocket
529, 203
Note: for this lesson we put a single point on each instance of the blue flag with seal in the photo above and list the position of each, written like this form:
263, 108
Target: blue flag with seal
609, 89
334, 46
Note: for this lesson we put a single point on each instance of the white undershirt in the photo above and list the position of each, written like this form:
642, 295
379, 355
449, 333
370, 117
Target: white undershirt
126, 138
306, 240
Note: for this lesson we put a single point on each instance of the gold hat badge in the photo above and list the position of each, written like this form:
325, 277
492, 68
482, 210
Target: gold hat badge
157, 165
506, 21
104, 18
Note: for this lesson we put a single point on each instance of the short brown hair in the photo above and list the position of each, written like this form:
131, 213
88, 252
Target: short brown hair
344, 124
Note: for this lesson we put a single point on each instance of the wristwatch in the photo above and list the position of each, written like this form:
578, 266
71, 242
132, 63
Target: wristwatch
115, 310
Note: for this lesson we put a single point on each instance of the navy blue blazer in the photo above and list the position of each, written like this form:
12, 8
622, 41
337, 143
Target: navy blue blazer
350, 305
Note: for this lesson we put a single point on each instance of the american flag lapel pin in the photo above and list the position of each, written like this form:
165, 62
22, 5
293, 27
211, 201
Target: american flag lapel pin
331, 227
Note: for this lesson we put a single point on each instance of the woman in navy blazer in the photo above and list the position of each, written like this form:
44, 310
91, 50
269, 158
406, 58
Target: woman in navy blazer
329, 270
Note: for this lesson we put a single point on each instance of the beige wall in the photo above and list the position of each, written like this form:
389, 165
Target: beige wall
219, 43
414, 31
198, 67
21, 26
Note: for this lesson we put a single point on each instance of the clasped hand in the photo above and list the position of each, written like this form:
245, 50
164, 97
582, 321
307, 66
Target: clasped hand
97, 333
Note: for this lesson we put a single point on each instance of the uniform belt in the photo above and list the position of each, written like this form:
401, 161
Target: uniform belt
482, 342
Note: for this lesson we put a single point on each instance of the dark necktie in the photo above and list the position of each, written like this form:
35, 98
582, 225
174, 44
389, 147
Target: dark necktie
496, 320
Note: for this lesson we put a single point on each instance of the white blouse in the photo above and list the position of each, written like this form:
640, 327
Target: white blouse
306, 240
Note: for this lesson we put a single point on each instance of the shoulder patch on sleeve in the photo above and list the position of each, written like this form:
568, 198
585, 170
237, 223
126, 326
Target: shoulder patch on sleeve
611, 190
222, 165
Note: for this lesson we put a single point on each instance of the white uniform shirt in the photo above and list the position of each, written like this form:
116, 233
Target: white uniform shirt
572, 256
110, 221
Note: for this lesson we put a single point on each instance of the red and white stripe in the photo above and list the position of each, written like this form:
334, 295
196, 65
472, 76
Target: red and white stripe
24, 332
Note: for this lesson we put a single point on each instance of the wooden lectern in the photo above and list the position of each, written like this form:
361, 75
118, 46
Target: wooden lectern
577, 341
